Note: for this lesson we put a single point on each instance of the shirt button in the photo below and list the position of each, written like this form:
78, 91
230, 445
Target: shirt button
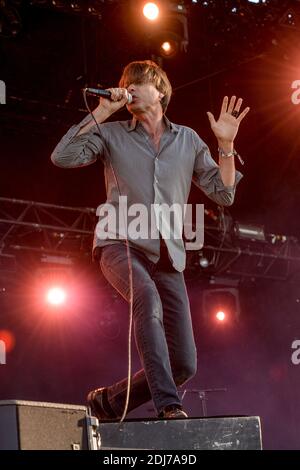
155, 179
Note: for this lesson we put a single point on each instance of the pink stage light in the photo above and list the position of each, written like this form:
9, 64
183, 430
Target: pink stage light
8, 338
56, 296
220, 315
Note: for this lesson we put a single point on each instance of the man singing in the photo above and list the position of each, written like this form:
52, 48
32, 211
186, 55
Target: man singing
151, 160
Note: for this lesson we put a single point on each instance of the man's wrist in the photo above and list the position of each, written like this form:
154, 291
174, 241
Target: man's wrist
231, 154
101, 114
225, 145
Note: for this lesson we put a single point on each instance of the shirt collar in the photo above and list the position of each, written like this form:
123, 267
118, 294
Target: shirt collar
132, 125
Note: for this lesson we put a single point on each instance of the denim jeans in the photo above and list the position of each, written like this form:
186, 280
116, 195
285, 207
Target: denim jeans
162, 327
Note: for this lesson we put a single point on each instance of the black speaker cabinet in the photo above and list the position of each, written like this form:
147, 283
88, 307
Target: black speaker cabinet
220, 433
42, 426
29, 425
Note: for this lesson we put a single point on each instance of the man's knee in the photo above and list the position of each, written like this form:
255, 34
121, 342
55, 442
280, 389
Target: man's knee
185, 371
147, 298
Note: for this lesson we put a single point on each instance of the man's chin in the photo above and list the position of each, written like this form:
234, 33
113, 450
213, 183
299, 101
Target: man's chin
134, 107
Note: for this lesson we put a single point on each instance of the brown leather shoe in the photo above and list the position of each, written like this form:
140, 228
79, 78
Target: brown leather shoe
97, 400
173, 412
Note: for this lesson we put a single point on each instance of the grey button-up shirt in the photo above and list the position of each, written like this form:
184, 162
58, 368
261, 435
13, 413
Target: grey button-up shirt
145, 175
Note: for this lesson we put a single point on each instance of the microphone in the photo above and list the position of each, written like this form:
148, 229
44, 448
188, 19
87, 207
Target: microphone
105, 93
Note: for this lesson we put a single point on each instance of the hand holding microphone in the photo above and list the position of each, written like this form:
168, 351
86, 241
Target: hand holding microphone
111, 99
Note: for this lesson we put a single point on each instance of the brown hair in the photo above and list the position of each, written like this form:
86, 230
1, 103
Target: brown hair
147, 71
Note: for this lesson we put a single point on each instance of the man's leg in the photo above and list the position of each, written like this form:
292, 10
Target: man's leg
157, 380
177, 324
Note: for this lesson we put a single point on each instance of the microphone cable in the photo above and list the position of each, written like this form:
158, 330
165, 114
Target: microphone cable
130, 278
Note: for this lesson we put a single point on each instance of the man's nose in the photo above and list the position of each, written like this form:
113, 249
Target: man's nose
131, 88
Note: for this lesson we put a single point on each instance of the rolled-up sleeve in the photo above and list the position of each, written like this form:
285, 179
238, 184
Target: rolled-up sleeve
207, 176
75, 151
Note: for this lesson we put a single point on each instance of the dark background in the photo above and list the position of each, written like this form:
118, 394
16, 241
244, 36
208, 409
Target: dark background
252, 52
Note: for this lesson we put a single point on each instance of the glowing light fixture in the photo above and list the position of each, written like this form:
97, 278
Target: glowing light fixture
56, 296
220, 315
151, 11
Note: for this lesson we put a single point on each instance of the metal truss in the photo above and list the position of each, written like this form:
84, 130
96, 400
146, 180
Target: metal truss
228, 257
62, 235
28, 226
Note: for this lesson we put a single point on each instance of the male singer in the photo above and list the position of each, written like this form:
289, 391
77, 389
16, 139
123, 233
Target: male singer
151, 160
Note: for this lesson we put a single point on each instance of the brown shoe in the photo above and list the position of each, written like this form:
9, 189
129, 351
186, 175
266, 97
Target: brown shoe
98, 401
173, 412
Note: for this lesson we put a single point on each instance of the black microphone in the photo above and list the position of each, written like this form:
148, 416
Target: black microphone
105, 93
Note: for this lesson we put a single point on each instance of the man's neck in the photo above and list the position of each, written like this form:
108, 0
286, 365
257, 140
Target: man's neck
153, 123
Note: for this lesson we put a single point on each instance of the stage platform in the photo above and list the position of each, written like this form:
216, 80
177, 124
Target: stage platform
51, 426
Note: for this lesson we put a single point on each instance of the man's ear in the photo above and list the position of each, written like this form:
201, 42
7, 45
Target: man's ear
161, 95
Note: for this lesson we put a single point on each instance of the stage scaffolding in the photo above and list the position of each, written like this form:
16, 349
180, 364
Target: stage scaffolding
63, 235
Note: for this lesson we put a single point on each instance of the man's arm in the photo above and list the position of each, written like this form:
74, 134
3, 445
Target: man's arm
227, 164
100, 114
119, 97
82, 144
225, 130
208, 177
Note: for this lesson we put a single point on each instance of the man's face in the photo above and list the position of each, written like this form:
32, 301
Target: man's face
145, 97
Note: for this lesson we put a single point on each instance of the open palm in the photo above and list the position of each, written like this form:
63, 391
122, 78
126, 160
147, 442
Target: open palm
226, 127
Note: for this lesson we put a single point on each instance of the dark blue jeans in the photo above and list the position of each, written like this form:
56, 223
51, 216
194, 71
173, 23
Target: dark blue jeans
162, 327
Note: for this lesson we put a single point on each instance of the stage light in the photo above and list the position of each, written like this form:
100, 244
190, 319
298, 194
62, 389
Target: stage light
167, 44
56, 296
53, 284
221, 305
58, 3
203, 261
168, 48
57, 260
151, 11
9, 340
250, 232
75, 6
170, 35
220, 315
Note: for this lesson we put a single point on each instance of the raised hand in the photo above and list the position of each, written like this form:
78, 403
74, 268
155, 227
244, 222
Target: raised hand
226, 127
